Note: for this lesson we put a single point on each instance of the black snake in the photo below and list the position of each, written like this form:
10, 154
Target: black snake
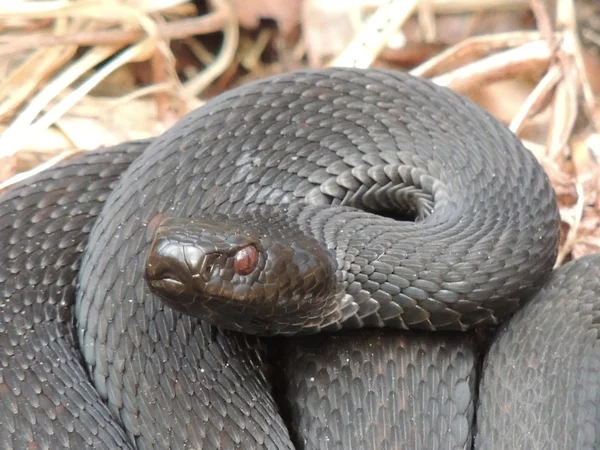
321, 200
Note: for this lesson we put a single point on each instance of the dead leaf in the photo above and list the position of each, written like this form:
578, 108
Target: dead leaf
86, 133
562, 182
8, 166
586, 169
585, 247
502, 99
328, 27
286, 14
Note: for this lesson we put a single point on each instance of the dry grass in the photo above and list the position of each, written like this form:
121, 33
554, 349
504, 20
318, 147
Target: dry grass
80, 74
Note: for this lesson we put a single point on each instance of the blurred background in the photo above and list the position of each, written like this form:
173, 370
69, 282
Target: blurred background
76, 75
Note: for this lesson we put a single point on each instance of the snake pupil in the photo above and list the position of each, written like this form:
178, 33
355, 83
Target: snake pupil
245, 260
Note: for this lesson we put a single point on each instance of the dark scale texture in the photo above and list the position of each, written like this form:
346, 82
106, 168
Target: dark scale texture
541, 378
293, 144
358, 138
321, 149
46, 399
381, 391
211, 390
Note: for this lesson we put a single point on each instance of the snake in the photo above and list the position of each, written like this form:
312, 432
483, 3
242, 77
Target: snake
320, 259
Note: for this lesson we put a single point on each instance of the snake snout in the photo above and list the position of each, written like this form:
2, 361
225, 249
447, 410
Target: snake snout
200, 266
175, 271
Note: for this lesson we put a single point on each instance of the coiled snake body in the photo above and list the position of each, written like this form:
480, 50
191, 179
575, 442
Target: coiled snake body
356, 199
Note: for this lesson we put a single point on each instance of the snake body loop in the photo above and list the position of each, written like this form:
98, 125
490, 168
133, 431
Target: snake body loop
319, 152
360, 143
307, 202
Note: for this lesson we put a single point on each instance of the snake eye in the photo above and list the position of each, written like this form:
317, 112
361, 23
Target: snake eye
245, 260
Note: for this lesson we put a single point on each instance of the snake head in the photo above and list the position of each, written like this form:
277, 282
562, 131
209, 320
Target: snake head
237, 275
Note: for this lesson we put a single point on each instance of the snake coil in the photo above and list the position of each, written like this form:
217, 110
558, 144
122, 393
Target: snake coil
314, 201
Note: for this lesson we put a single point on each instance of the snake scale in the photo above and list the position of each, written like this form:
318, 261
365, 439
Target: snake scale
390, 219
